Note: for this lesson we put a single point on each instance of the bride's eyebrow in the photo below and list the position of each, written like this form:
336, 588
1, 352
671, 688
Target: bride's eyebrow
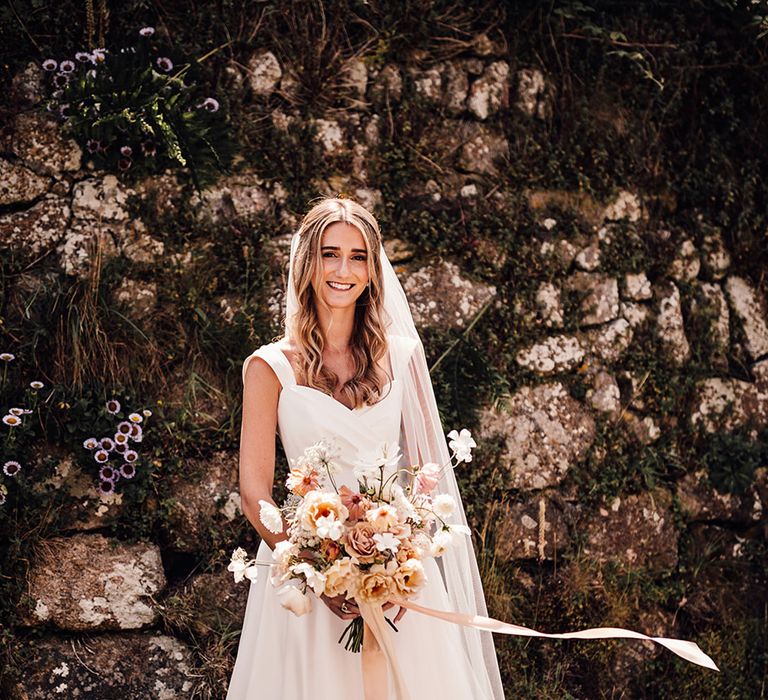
335, 247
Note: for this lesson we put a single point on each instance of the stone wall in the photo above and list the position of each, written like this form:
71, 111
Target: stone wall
94, 602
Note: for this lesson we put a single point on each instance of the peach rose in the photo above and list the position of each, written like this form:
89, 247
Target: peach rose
339, 577
409, 577
359, 542
316, 505
428, 477
375, 586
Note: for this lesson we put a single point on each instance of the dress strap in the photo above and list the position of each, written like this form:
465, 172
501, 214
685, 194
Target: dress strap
276, 359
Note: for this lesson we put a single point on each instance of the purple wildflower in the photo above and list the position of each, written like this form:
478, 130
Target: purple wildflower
11, 468
146, 31
67, 66
36, 384
107, 472
137, 433
106, 486
130, 455
17, 411
165, 64
135, 417
124, 164
90, 443
50, 65
93, 145
127, 151
107, 443
60, 80
146, 413
120, 439
124, 427
113, 406
7, 356
10, 419
128, 471
99, 55
121, 447
101, 456
83, 57
209, 104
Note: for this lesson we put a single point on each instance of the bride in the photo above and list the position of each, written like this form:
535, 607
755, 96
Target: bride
350, 367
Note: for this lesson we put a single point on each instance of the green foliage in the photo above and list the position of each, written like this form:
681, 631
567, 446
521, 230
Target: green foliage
132, 109
731, 460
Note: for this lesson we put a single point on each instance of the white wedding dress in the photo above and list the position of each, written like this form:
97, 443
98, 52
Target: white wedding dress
284, 657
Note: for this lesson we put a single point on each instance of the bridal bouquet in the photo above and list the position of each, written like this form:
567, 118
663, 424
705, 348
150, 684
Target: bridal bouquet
366, 543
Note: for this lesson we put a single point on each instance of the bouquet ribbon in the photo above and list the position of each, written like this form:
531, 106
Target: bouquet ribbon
378, 650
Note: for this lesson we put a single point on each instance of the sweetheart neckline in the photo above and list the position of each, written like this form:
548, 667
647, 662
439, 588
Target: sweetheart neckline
336, 401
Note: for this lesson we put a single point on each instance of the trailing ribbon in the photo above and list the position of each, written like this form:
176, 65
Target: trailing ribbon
378, 650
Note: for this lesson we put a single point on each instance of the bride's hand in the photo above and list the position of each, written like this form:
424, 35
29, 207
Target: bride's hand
350, 610
400, 612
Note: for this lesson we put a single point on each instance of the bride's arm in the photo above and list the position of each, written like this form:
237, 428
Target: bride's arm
261, 390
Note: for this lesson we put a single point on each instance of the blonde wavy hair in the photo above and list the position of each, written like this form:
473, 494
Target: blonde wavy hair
368, 343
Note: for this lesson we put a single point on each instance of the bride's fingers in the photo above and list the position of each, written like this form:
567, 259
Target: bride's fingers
399, 615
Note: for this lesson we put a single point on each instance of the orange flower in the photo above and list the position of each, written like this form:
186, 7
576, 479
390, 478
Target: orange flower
356, 503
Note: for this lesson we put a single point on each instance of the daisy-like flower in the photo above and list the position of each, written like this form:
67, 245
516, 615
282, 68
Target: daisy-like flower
124, 163
27, 411
10, 419
135, 418
106, 486
11, 468
60, 80
107, 443
93, 146
120, 439
99, 55
50, 65
443, 505
270, 517
137, 434
36, 385
121, 447
90, 443
127, 151
124, 427
128, 471
146, 413
67, 66
113, 407
462, 444
165, 64
16, 411
209, 104
7, 356
101, 456
130, 455
83, 56
107, 472
146, 31
64, 110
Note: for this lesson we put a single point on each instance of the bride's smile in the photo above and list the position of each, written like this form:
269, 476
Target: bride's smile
345, 265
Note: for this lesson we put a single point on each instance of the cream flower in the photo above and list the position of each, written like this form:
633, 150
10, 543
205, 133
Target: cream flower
443, 505
462, 444
409, 577
329, 527
270, 517
386, 541
383, 517
339, 577
375, 586
291, 598
318, 504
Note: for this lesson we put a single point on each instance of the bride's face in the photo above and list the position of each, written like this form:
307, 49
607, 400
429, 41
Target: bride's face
345, 265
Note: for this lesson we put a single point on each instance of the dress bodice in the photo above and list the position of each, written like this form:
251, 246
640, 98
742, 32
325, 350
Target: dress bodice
305, 415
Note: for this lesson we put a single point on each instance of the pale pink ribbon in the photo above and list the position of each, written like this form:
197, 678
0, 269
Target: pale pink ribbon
378, 650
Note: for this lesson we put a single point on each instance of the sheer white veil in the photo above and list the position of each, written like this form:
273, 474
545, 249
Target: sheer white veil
422, 441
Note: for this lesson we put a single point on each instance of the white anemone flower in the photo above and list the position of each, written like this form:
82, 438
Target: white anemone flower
443, 505
386, 541
462, 443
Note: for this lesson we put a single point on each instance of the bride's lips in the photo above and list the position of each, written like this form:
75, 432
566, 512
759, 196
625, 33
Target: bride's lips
339, 289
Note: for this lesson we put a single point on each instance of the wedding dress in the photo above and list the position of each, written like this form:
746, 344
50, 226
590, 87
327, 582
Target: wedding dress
284, 657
